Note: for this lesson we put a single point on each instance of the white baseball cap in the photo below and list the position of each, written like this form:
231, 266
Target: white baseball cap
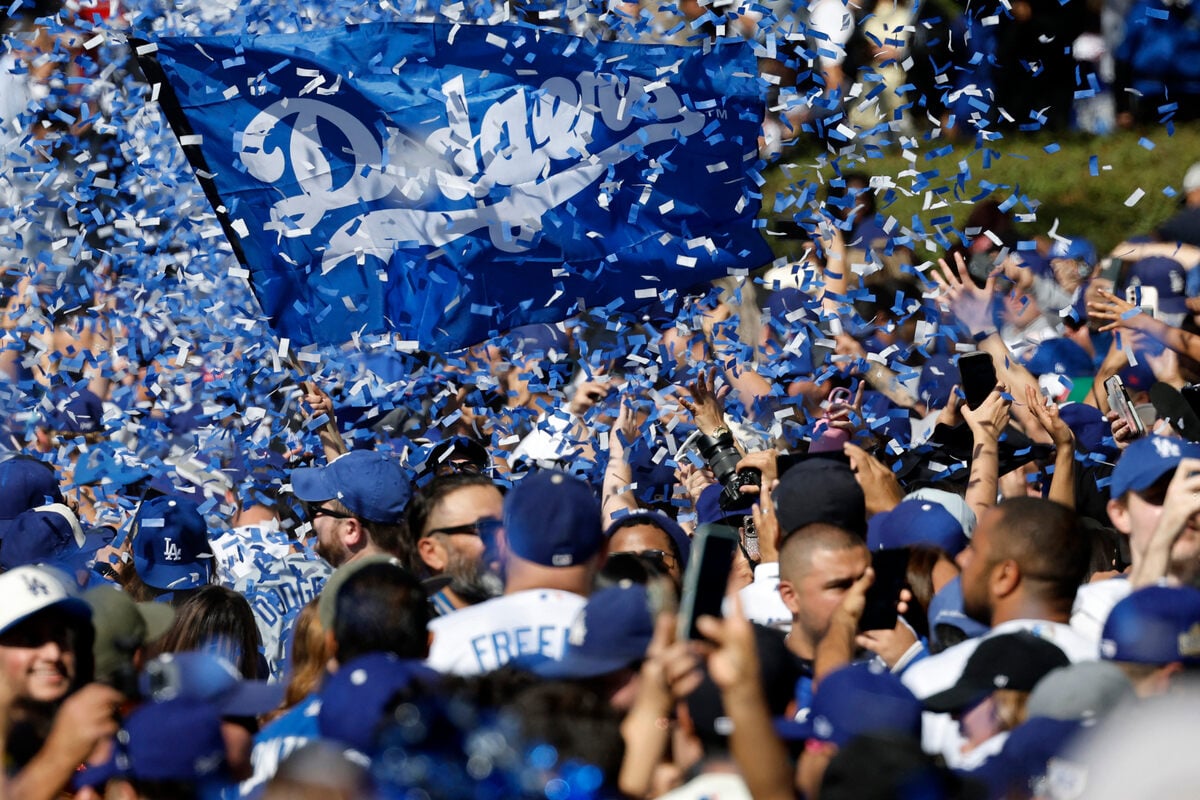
24, 591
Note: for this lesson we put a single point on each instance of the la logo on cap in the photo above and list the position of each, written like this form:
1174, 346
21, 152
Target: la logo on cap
35, 585
171, 551
1166, 448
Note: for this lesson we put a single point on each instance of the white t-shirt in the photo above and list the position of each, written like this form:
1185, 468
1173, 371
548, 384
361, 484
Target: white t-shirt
761, 602
940, 733
484, 637
1094, 602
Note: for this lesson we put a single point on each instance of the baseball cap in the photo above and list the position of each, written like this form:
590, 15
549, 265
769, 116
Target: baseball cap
1167, 276
122, 626
1059, 357
207, 678
1084, 691
1077, 248
366, 685
372, 485
956, 504
1154, 625
458, 449
327, 600
854, 700
46, 534
1026, 756
611, 632
25, 483
708, 507
916, 522
553, 519
1148, 459
73, 411
820, 490
1010, 661
946, 608
24, 591
175, 740
170, 544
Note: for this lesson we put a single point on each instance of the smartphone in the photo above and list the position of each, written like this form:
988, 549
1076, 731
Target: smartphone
978, 373
891, 576
1191, 393
1118, 400
1144, 296
1111, 269
706, 577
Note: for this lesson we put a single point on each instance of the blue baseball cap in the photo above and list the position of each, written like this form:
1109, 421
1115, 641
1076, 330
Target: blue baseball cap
657, 519
552, 518
1089, 426
73, 411
916, 522
176, 740
946, 608
1154, 625
46, 534
1167, 276
355, 698
611, 633
1078, 249
709, 510
1146, 460
854, 700
1027, 753
372, 485
1060, 357
25, 483
170, 544
201, 677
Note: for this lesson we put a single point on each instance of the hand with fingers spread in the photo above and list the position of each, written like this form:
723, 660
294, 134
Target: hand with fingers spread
880, 487
1046, 413
971, 305
1180, 517
1119, 312
707, 404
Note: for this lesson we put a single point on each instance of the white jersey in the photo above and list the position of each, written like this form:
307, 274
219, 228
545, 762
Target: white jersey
940, 733
484, 637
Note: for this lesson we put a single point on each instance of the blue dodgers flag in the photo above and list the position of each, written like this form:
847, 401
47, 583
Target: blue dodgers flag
449, 182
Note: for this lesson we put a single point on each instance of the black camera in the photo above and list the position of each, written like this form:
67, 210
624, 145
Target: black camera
722, 457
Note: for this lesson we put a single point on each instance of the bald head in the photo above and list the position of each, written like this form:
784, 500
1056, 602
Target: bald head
799, 547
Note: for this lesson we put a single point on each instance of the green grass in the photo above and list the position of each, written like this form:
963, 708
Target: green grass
1050, 176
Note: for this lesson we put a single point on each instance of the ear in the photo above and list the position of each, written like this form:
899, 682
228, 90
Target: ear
787, 593
1005, 578
331, 649
502, 545
353, 535
433, 553
1118, 514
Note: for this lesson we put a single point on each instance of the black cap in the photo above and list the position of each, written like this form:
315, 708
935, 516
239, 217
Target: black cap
820, 490
1011, 661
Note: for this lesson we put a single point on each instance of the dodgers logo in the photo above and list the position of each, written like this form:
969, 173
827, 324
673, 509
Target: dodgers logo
35, 586
531, 152
171, 551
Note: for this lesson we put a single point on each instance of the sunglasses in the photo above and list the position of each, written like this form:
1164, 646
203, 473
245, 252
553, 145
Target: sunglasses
483, 527
321, 511
661, 556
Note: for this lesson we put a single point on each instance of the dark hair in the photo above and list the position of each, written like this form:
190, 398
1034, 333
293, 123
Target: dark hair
381, 608
1048, 544
644, 519
922, 558
220, 618
424, 501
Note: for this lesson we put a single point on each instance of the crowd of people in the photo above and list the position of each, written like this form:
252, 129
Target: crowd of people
961, 498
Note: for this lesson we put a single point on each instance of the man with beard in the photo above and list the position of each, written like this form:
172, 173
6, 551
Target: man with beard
452, 523
356, 503
1026, 560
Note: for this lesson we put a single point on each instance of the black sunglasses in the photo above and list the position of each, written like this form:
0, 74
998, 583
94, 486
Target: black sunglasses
480, 527
653, 555
321, 511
